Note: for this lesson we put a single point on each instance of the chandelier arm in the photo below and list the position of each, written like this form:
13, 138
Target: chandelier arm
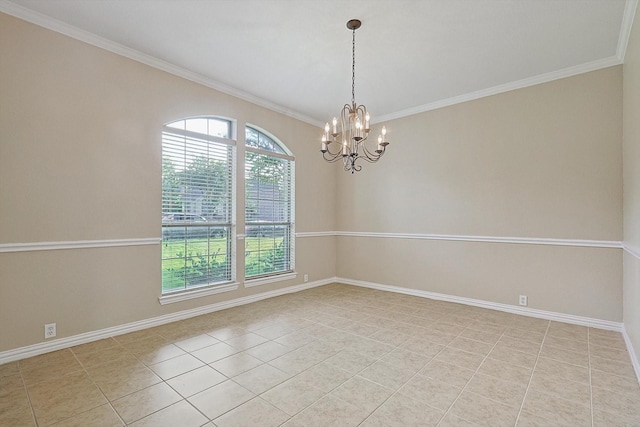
374, 156
332, 158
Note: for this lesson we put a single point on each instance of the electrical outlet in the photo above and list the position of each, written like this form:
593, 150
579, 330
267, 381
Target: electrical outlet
49, 330
306, 278
523, 300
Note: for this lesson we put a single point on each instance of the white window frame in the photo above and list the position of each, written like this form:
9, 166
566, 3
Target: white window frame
290, 273
220, 286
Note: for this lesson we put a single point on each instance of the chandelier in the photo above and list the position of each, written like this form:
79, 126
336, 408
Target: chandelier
348, 140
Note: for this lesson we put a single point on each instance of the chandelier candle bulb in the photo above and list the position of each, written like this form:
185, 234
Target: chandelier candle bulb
355, 124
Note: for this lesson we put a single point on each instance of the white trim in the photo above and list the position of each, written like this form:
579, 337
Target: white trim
632, 251
316, 234
524, 311
119, 49
45, 347
625, 28
76, 244
250, 283
634, 358
86, 244
507, 87
489, 239
197, 293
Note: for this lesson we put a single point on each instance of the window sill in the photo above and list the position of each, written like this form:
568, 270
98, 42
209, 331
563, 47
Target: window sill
270, 279
197, 293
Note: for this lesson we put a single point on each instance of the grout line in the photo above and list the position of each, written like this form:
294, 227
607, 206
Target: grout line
471, 378
26, 391
533, 370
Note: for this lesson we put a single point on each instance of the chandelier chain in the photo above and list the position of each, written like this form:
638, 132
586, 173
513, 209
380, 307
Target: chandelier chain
353, 68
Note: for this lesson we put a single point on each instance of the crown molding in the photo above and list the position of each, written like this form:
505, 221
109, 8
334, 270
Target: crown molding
625, 28
52, 24
507, 87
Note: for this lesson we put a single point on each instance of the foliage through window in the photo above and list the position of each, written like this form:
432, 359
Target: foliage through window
269, 178
197, 167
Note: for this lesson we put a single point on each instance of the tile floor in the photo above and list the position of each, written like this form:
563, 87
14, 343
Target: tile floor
335, 355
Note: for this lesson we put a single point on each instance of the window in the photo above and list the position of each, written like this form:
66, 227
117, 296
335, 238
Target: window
197, 201
269, 173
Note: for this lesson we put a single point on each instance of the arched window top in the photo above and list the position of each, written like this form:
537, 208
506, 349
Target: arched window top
259, 139
212, 126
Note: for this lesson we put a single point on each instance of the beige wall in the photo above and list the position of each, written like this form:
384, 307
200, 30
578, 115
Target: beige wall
631, 169
539, 162
80, 159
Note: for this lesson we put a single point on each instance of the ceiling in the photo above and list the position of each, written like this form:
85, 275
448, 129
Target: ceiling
294, 56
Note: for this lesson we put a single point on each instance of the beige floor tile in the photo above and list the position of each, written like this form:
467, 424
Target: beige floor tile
243, 342
527, 419
390, 376
328, 412
610, 339
505, 371
350, 361
400, 411
519, 345
625, 404
451, 420
94, 346
608, 419
362, 393
556, 409
567, 344
33, 373
179, 414
483, 336
451, 374
471, 346
256, 412
422, 347
262, 378
137, 336
507, 392
293, 395
11, 384
17, 416
196, 343
102, 416
406, 359
619, 355
220, 399
461, 358
53, 358
324, 376
483, 411
118, 379
515, 357
176, 366
159, 354
614, 382
565, 330
145, 402
612, 366
563, 370
195, 381
268, 351
296, 361
390, 337
236, 364
215, 352
484, 328
437, 337
64, 397
523, 334
432, 392
571, 390
297, 339
9, 369
108, 355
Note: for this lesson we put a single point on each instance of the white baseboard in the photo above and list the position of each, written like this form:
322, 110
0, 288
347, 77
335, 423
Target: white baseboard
524, 311
632, 353
46, 347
